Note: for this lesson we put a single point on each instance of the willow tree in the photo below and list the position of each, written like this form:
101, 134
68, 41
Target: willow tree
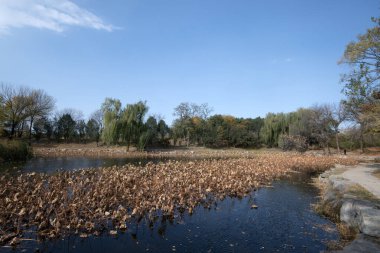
132, 123
300, 124
111, 119
274, 126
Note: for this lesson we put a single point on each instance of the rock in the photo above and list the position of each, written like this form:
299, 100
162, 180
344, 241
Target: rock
350, 196
370, 221
329, 196
363, 215
362, 244
340, 185
324, 175
355, 211
349, 214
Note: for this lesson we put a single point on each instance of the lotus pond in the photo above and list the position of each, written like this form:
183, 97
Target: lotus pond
243, 215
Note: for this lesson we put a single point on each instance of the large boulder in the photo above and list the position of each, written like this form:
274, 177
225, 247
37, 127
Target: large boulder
364, 215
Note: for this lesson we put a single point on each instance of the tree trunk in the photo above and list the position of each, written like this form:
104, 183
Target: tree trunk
361, 139
13, 130
187, 139
337, 142
21, 130
30, 131
361, 143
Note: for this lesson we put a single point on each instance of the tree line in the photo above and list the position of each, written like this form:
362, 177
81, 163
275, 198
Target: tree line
29, 114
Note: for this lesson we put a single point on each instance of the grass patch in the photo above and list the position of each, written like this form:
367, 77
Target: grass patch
339, 170
332, 211
346, 233
361, 193
328, 210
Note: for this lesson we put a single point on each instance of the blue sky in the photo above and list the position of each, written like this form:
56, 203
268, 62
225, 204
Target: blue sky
243, 57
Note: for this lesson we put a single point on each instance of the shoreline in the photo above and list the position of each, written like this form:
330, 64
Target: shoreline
91, 150
351, 206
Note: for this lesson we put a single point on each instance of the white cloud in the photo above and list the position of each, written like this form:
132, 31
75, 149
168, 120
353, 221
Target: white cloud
55, 15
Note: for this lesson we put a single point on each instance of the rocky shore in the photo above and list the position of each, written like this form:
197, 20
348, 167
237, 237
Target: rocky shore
350, 196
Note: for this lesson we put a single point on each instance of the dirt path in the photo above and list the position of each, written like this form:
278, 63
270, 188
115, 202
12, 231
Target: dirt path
362, 174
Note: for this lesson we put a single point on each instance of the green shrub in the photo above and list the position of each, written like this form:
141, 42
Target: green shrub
14, 151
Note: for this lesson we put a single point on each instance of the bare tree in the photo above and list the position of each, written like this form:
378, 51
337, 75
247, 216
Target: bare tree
40, 106
339, 115
98, 117
321, 124
204, 110
15, 103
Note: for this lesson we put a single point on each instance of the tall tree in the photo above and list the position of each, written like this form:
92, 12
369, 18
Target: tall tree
41, 105
66, 127
152, 128
322, 125
274, 126
133, 124
365, 51
42, 126
339, 115
111, 109
81, 130
362, 83
163, 131
15, 102
190, 122
93, 130
98, 117
300, 124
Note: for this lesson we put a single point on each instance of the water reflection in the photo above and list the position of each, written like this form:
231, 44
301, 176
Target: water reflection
51, 165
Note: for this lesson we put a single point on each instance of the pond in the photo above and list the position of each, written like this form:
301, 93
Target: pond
283, 222
51, 165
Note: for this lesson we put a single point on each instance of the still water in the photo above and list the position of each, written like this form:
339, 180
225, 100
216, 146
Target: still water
52, 165
283, 222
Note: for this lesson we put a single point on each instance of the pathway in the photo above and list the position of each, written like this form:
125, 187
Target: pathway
362, 174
